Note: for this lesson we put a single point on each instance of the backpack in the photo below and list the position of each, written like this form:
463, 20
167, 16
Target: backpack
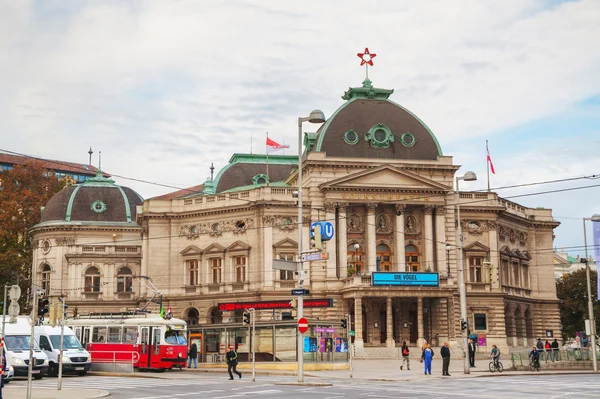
405, 352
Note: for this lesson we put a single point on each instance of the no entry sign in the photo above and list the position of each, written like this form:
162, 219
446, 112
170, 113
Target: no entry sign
302, 325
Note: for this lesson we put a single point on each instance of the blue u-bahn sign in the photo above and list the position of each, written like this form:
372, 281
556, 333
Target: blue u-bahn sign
406, 279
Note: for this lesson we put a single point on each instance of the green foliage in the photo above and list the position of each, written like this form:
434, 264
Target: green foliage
23, 191
571, 290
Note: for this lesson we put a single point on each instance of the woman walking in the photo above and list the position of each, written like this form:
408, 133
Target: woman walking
405, 359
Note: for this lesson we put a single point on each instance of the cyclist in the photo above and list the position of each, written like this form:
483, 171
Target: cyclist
534, 355
495, 355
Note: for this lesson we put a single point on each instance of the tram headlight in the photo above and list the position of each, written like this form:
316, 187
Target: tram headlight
179, 355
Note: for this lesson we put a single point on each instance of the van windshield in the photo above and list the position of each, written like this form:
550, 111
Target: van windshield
69, 342
19, 343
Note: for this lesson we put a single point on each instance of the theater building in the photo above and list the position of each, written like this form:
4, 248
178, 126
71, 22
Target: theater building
378, 174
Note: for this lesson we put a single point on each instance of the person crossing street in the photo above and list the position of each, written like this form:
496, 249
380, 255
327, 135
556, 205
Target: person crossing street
232, 361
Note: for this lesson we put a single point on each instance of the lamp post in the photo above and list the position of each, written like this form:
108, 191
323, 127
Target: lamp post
594, 218
469, 176
356, 247
316, 116
448, 249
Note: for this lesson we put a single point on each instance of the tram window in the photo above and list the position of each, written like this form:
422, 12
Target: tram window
129, 335
99, 334
175, 337
86, 336
114, 335
157, 341
78, 334
144, 335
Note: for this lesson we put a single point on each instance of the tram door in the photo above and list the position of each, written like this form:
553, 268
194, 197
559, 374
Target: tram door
154, 353
144, 347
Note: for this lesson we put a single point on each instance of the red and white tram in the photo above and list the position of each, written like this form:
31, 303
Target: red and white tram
147, 342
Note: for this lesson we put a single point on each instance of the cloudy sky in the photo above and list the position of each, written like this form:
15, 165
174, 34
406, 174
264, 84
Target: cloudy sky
164, 88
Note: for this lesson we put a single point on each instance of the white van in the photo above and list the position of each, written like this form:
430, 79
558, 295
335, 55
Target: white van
16, 343
75, 358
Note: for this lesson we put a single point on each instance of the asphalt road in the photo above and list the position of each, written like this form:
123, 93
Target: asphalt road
217, 386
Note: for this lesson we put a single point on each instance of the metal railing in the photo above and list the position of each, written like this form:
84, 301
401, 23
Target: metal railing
128, 358
560, 355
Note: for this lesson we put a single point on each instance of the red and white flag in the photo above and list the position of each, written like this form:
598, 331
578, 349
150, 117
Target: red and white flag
273, 146
489, 159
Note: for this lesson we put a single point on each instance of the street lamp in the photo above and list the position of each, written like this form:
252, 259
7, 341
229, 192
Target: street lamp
469, 176
594, 218
448, 249
316, 116
356, 247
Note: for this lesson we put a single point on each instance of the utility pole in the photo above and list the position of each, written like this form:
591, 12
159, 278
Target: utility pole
34, 310
62, 342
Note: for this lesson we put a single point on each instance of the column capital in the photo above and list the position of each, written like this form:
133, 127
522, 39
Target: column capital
371, 208
440, 209
329, 206
400, 208
428, 210
343, 206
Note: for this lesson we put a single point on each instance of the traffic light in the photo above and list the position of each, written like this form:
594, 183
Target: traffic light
463, 325
42, 308
344, 323
315, 240
246, 318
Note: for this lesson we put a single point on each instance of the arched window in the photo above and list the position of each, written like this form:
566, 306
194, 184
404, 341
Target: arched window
215, 316
192, 316
92, 279
384, 258
412, 258
355, 261
124, 280
46, 270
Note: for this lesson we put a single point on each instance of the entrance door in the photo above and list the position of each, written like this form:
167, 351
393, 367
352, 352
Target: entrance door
382, 327
413, 320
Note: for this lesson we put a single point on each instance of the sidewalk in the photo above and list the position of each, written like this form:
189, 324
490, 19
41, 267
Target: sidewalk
37, 393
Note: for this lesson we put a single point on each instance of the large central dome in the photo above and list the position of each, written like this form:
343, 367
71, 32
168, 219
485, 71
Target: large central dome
369, 125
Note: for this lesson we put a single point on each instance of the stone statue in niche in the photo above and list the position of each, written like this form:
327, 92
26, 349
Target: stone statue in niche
382, 223
410, 225
354, 224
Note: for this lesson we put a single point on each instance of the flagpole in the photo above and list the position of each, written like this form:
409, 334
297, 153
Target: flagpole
487, 164
267, 158
250, 143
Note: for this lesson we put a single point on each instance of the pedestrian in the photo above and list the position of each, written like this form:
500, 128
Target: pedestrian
555, 350
193, 355
405, 357
445, 353
424, 346
3, 365
548, 349
540, 346
426, 358
232, 361
472, 353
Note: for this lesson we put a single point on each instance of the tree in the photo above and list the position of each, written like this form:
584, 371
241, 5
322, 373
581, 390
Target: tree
571, 290
23, 191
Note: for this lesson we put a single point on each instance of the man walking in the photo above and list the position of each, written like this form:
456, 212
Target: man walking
540, 347
426, 358
555, 349
193, 355
472, 353
445, 352
232, 361
405, 357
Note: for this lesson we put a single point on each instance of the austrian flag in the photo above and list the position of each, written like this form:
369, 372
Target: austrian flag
273, 146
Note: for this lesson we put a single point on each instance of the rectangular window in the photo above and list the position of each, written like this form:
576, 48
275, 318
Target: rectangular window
92, 283
114, 335
99, 334
215, 266
192, 270
525, 279
505, 272
129, 335
124, 283
475, 269
286, 274
480, 321
516, 281
239, 264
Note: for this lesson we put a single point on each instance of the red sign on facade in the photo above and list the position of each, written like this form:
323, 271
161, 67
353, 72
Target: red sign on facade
302, 325
271, 305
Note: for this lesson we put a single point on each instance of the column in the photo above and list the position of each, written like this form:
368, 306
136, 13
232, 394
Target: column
268, 256
440, 238
399, 253
389, 342
428, 238
371, 239
331, 245
145, 256
358, 327
342, 237
420, 329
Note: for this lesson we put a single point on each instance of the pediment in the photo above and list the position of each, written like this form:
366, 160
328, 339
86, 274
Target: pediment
214, 248
385, 178
238, 246
191, 250
286, 243
476, 246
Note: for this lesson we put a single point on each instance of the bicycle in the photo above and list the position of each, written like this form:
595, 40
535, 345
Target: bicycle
496, 366
534, 365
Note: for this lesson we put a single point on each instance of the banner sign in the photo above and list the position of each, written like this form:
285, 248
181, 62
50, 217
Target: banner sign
596, 228
269, 305
324, 330
406, 279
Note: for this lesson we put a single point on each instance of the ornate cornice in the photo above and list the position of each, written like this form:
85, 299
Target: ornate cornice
216, 229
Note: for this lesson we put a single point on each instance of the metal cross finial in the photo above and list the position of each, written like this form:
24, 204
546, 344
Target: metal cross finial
90, 152
212, 170
366, 59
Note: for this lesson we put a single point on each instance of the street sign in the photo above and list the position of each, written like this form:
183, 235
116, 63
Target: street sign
14, 292
300, 291
326, 230
352, 333
324, 330
279, 264
314, 256
302, 325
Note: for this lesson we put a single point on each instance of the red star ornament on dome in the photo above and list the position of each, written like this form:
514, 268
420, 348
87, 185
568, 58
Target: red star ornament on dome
366, 57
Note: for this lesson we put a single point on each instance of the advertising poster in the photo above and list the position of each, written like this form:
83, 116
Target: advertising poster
341, 345
328, 344
310, 344
322, 344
